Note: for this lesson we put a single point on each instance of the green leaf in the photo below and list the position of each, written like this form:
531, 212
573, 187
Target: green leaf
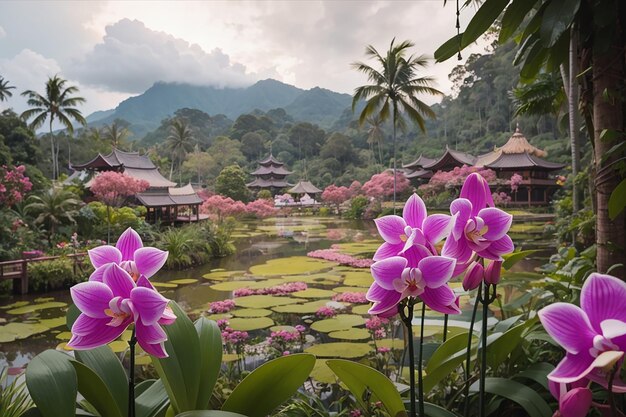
617, 201
519, 393
482, 20
210, 338
433, 410
91, 386
528, 43
209, 413
361, 379
537, 372
152, 401
270, 385
449, 48
141, 387
180, 372
500, 348
107, 366
71, 315
557, 18
515, 257
446, 359
513, 17
533, 62
51, 382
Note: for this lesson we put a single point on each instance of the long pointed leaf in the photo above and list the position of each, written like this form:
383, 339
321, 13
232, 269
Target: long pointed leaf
482, 20
107, 366
210, 338
52, 384
93, 388
519, 393
152, 401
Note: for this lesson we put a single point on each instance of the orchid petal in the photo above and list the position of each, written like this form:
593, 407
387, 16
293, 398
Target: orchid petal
388, 270
118, 280
92, 298
96, 275
149, 304
473, 276
415, 254
168, 316
387, 250
572, 368
600, 378
436, 270
476, 189
128, 243
409, 243
575, 402
496, 249
145, 283
441, 299
602, 297
390, 302
103, 255
436, 227
149, 334
498, 222
414, 212
569, 326
156, 350
391, 228
462, 208
493, 272
376, 293
612, 328
85, 325
457, 249
95, 332
150, 260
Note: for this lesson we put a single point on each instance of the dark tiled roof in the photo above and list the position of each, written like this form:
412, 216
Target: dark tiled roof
420, 173
304, 187
419, 162
261, 183
522, 160
264, 170
173, 197
270, 160
451, 157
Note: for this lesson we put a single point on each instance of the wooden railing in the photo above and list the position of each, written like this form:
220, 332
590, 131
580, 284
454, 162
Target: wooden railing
17, 270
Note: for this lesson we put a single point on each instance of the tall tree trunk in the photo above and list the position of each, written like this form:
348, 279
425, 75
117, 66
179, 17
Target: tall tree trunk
395, 117
52, 150
574, 117
608, 115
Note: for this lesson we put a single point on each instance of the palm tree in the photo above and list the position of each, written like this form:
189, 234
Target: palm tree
375, 135
53, 208
57, 103
393, 90
5, 89
179, 143
116, 133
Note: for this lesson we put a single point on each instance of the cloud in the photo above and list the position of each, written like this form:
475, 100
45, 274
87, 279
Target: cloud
3, 33
131, 57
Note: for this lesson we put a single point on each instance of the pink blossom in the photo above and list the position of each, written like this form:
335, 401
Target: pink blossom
281, 289
351, 297
375, 322
381, 185
13, 185
326, 312
218, 307
355, 188
342, 259
112, 187
261, 208
336, 195
515, 181
444, 180
219, 207
383, 349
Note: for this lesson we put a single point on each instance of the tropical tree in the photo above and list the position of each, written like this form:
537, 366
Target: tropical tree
5, 89
116, 133
52, 209
375, 135
546, 28
232, 183
394, 89
180, 142
57, 103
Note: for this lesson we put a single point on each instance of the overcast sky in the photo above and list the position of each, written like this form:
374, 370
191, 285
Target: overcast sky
113, 50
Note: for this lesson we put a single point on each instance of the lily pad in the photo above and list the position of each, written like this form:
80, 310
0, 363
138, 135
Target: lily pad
36, 307
184, 281
305, 308
397, 344
164, 284
264, 301
221, 274
322, 373
118, 346
232, 285
364, 247
294, 265
350, 289
142, 360
313, 293
53, 323
44, 299
346, 350
247, 324
314, 278
340, 322
361, 309
282, 328
361, 278
220, 316
351, 334
16, 331
64, 336
15, 305
252, 312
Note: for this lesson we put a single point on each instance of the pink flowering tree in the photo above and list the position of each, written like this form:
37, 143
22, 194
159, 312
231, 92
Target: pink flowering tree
355, 188
261, 208
13, 185
336, 195
113, 188
219, 207
452, 180
515, 182
381, 185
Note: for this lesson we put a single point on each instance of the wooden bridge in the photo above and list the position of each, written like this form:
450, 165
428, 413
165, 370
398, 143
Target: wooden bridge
17, 270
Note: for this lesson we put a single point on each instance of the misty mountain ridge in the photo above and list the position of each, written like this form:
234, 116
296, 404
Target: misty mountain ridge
145, 111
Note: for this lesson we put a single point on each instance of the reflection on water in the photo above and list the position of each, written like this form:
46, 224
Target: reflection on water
256, 241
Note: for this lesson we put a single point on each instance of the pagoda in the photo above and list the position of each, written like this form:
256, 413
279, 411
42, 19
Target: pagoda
270, 175
416, 169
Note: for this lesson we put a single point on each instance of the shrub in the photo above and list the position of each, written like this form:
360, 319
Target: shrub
265, 195
56, 274
357, 207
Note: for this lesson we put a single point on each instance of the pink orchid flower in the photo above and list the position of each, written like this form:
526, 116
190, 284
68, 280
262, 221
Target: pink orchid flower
415, 229
476, 274
574, 399
397, 278
594, 334
109, 307
130, 254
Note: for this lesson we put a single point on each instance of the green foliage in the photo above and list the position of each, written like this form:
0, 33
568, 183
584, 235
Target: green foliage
264, 194
232, 183
53, 209
519, 393
187, 245
14, 399
56, 274
52, 384
357, 207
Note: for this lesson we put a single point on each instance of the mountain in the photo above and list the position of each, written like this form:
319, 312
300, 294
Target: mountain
145, 112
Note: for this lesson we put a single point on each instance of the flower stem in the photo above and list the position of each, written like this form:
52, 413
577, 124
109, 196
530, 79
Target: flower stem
407, 319
483, 353
468, 353
420, 377
611, 394
131, 376
445, 328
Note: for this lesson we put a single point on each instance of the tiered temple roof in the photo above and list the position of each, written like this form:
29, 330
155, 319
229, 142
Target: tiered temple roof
304, 187
449, 160
416, 169
271, 173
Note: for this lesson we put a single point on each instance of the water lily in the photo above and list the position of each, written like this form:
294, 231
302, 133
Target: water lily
414, 230
594, 334
109, 307
130, 254
397, 278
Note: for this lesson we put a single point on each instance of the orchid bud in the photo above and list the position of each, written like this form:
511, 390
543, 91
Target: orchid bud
575, 402
473, 276
492, 272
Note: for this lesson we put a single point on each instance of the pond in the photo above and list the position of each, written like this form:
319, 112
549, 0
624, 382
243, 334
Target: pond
269, 253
